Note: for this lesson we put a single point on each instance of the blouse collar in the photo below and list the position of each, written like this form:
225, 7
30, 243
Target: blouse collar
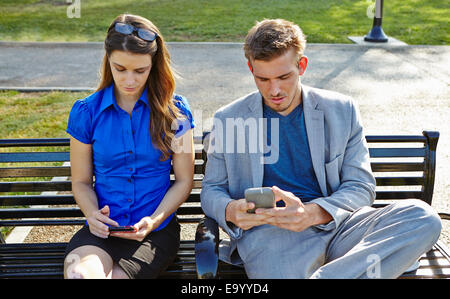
109, 98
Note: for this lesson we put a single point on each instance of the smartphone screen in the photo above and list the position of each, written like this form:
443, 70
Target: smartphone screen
123, 229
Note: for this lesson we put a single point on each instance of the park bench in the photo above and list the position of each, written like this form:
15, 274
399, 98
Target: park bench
35, 191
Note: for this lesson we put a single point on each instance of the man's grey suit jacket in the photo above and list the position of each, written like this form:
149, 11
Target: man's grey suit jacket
338, 148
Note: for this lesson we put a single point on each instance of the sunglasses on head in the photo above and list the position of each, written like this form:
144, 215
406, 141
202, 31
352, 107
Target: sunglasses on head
144, 34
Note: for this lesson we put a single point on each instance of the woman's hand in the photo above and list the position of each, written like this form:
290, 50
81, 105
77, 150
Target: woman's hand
143, 228
97, 221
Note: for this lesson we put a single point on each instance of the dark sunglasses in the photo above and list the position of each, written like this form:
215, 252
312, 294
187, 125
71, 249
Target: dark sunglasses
144, 34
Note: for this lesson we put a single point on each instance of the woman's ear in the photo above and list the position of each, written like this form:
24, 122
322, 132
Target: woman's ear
302, 64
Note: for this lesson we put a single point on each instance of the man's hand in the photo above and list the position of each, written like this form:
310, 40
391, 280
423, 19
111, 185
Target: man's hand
236, 212
295, 216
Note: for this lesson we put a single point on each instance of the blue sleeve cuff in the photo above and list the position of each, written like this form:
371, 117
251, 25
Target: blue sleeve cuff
79, 125
78, 137
186, 123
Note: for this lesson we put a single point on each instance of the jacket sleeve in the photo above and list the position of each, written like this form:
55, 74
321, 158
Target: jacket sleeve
215, 195
357, 183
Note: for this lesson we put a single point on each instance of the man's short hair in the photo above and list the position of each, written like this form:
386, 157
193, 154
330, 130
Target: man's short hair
269, 39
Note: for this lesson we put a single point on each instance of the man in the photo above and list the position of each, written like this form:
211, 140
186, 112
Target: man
323, 225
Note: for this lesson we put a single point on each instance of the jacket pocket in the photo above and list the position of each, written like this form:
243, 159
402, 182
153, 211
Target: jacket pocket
332, 171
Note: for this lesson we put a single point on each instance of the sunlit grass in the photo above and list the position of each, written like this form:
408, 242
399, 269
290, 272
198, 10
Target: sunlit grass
35, 115
324, 21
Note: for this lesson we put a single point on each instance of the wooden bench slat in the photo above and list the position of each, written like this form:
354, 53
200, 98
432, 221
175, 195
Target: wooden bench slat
63, 222
197, 184
396, 152
399, 181
36, 186
42, 157
42, 222
30, 200
22, 142
396, 139
47, 157
396, 167
398, 194
428, 273
34, 157
72, 212
50, 171
59, 171
190, 211
33, 142
433, 263
194, 220
39, 213
58, 247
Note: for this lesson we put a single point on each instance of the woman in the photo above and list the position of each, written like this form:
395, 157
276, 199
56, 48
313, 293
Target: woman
123, 134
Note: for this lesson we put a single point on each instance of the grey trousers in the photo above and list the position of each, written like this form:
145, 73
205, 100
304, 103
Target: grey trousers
370, 243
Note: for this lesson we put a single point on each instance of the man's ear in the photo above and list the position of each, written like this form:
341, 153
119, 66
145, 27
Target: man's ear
249, 66
302, 64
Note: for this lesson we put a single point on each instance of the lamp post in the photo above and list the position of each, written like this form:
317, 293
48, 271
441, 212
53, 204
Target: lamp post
376, 34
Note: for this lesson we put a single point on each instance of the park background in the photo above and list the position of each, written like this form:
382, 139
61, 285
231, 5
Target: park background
421, 101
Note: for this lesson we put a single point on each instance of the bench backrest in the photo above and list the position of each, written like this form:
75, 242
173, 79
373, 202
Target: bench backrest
35, 177
35, 184
404, 165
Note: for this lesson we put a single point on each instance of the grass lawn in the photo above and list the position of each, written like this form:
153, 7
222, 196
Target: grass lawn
35, 115
324, 21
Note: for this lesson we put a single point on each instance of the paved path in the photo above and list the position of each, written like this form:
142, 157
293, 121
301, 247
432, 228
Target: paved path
216, 73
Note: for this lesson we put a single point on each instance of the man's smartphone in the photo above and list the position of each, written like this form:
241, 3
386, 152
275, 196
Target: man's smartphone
262, 197
122, 229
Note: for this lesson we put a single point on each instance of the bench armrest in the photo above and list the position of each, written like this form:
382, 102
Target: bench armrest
207, 248
444, 216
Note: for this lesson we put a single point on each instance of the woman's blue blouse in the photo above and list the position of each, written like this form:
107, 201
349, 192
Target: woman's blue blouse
129, 177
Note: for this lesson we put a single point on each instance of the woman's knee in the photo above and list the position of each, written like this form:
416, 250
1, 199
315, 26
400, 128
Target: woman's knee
87, 262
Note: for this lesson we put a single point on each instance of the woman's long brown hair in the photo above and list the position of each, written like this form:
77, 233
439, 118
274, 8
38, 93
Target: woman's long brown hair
160, 82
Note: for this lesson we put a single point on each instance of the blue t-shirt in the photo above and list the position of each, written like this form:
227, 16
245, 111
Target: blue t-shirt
129, 177
293, 171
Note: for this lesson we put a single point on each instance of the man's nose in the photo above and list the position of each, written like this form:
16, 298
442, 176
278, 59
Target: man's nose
274, 88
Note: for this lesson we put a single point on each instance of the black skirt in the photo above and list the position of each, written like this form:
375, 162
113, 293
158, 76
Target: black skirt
145, 259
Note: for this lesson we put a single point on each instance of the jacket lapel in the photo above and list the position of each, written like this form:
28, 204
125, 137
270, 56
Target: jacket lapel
257, 159
314, 121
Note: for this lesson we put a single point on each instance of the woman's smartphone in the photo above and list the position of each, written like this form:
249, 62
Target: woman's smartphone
122, 229
262, 197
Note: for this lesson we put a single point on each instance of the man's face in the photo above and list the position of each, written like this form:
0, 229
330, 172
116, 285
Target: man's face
278, 81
